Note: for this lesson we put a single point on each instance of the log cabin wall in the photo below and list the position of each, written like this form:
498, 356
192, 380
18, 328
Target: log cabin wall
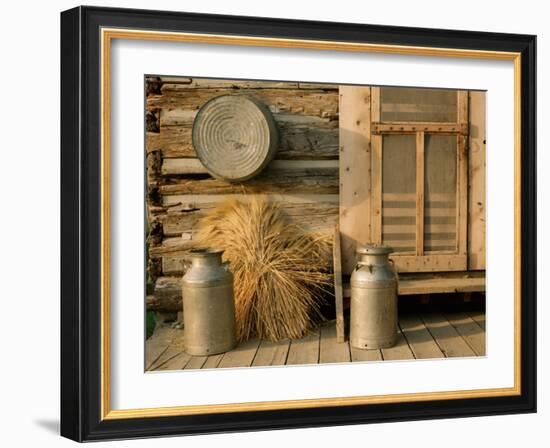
322, 173
303, 178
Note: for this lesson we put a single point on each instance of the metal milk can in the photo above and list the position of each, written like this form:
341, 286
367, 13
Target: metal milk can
373, 320
208, 304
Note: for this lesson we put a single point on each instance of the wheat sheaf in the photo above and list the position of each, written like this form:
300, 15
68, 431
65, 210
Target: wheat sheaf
281, 272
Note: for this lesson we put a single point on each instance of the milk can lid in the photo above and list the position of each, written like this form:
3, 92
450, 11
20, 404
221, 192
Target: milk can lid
374, 250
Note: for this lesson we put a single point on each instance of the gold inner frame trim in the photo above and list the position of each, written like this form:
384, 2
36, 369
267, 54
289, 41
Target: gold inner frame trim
107, 35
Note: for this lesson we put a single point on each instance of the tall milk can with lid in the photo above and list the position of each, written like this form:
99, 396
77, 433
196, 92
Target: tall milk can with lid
373, 321
208, 304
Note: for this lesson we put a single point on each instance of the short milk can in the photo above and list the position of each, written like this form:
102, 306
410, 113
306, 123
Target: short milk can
208, 304
373, 321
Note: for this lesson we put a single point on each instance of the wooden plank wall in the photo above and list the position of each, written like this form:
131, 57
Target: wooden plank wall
303, 178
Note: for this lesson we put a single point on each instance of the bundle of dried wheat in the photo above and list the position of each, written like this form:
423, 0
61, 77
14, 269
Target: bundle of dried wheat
281, 273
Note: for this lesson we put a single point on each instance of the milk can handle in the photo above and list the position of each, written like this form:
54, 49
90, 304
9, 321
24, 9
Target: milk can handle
225, 265
363, 263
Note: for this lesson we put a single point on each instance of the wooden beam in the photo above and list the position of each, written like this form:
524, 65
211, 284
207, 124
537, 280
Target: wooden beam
441, 285
462, 196
355, 159
376, 170
376, 188
476, 178
419, 193
462, 108
462, 174
338, 291
408, 128
430, 263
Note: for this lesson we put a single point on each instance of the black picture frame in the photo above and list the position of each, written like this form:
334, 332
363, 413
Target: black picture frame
81, 224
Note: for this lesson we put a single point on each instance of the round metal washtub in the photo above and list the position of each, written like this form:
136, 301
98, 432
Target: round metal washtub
235, 137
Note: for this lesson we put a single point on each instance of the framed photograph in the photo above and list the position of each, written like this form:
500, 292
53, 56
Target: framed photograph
277, 224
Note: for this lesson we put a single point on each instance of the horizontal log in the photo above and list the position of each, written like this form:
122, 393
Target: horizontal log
272, 180
170, 246
170, 83
174, 265
167, 295
173, 204
317, 214
301, 136
176, 83
195, 166
318, 102
312, 217
186, 117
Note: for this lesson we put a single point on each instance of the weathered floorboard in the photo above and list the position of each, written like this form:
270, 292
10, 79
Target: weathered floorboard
479, 318
419, 338
240, 356
305, 350
167, 355
212, 361
157, 344
450, 342
330, 350
177, 362
400, 350
469, 330
422, 337
196, 362
271, 353
359, 355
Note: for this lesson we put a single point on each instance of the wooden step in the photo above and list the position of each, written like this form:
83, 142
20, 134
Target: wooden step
435, 285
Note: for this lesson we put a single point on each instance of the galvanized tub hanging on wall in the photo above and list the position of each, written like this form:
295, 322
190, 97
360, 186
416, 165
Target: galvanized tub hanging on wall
208, 304
373, 315
235, 137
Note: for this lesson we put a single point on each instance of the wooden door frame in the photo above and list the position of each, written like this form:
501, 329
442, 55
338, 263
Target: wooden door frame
420, 261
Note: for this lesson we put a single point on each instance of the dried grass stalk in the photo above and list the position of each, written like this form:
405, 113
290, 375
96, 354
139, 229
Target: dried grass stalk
281, 273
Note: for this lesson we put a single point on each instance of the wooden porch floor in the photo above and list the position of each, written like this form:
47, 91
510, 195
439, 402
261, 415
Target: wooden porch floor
421, 336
